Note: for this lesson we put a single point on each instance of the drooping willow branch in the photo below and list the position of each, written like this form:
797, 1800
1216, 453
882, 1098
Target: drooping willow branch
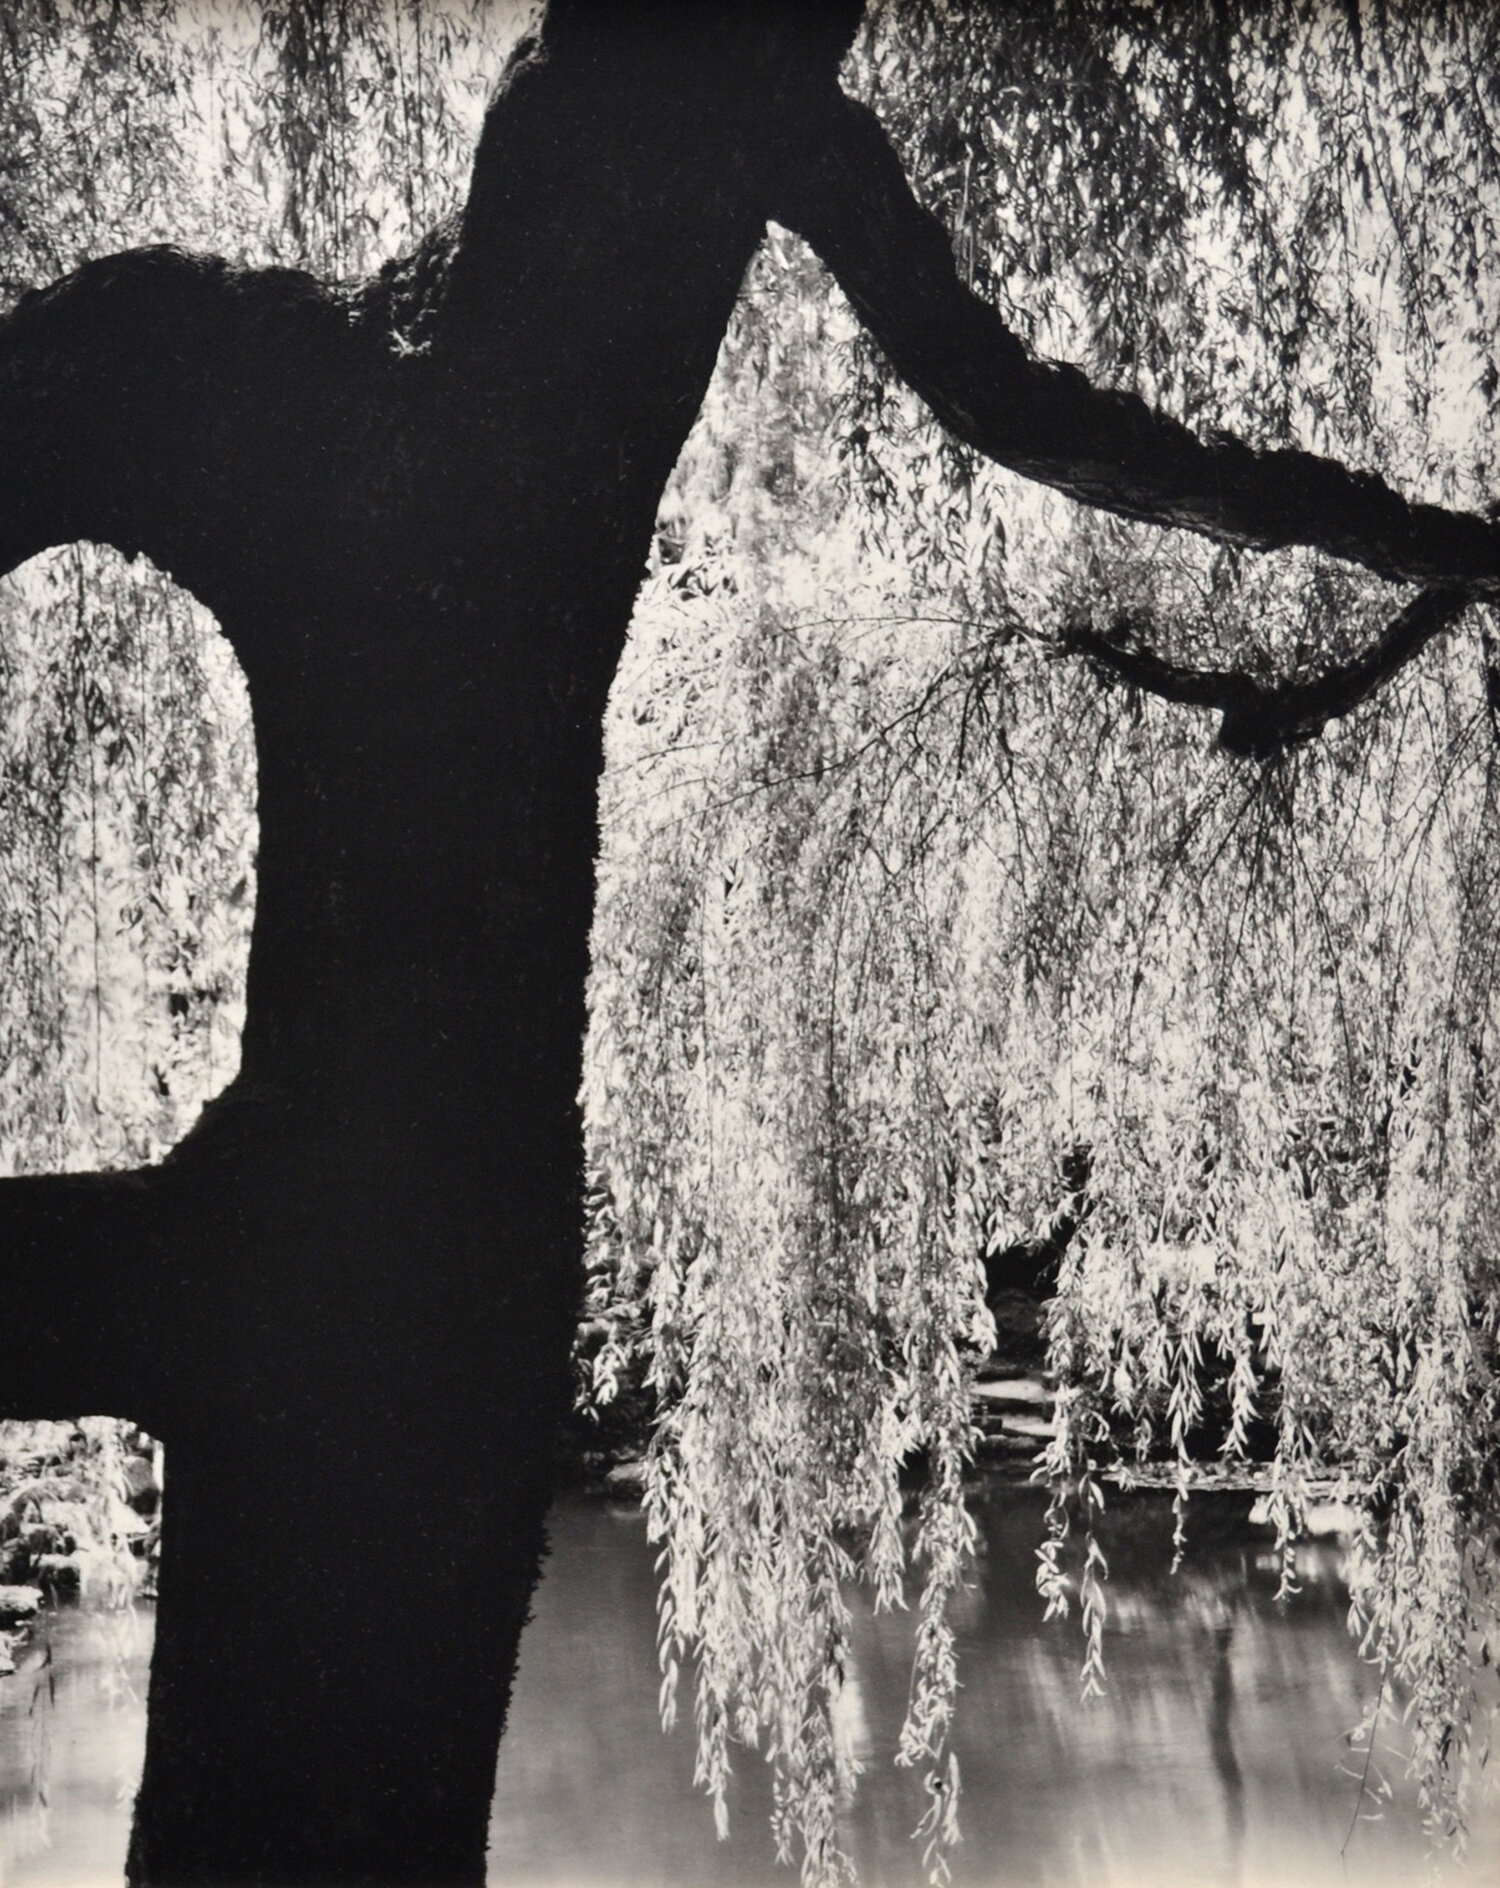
1263, 718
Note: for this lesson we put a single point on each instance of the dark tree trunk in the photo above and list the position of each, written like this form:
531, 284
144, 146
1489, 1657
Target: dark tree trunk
346, 1301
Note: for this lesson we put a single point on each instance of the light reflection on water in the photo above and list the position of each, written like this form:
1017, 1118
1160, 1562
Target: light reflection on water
1217, 1761
72, 1734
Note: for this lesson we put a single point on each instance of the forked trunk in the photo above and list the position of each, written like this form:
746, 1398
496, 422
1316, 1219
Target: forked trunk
420, 514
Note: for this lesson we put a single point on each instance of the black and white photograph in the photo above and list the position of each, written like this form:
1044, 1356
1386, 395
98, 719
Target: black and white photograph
749, 943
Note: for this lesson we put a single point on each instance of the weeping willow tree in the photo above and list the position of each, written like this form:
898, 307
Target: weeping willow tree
953, 829
970, 841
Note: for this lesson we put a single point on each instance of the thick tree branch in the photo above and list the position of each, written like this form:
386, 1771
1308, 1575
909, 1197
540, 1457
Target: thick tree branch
177, 406
99, 377
1263, 718
895, 263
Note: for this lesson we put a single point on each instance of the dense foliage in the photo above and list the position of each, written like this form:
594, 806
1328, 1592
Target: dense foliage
78, 1507
902, 910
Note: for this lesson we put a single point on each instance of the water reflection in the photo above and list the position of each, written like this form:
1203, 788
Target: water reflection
1218, 1760
72, 1734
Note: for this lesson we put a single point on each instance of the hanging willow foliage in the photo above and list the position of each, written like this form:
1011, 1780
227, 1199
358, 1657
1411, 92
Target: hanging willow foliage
903, 908
126, 849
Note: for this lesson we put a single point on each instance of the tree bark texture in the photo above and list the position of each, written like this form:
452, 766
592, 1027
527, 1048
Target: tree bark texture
420, 512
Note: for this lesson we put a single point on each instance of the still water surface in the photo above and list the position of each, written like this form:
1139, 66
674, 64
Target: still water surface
1218, 1760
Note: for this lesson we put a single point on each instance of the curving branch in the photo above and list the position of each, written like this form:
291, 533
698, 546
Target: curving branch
178, 406
1264, 718
894, 260
100, 375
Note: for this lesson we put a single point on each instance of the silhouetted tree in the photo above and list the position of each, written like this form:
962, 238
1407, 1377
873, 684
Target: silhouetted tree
420, 507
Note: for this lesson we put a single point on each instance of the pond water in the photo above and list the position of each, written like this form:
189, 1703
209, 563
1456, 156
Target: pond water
1218, 1759
72, 1734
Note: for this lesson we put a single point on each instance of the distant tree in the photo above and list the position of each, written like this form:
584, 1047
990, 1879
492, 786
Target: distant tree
938, 901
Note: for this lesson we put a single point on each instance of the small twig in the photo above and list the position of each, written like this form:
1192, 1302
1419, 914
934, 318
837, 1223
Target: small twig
1364, 1775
